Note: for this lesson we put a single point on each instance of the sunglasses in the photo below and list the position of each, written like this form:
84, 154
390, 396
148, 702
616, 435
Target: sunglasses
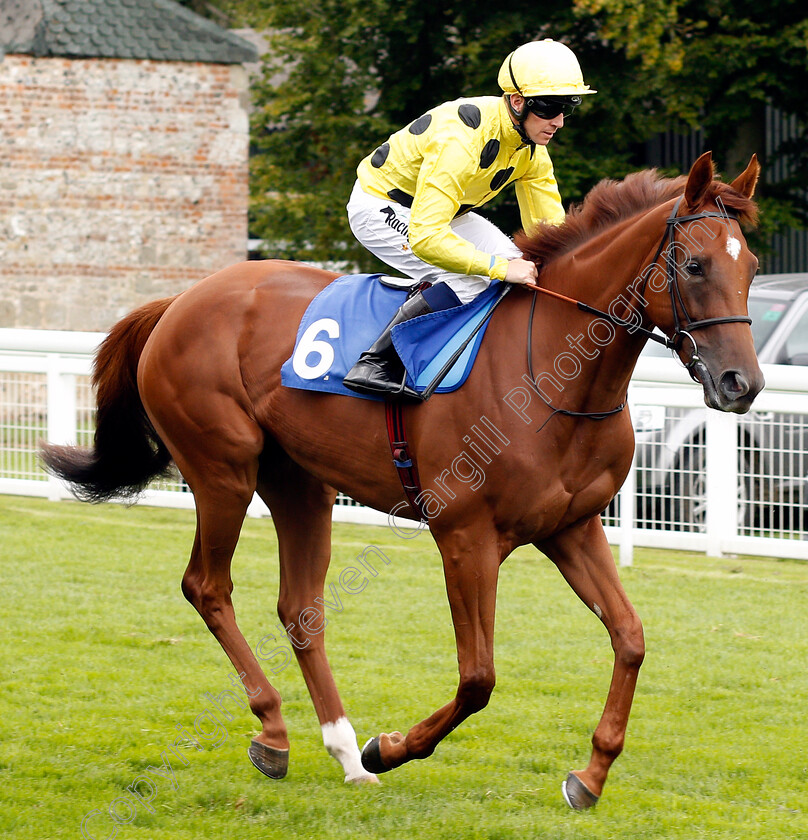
550, 107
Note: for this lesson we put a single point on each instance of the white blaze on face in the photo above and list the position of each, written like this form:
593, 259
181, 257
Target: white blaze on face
733, 247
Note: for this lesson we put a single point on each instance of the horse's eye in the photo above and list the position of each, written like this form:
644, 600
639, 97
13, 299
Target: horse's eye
694, 267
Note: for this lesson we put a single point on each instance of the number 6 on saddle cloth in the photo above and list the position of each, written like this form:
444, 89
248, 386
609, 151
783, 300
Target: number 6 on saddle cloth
348, 315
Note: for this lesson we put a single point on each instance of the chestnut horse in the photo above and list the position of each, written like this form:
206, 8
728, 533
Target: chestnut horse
195, 379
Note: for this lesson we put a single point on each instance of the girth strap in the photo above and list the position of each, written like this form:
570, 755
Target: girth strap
403, 460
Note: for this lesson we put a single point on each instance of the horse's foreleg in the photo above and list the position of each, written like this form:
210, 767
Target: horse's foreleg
584, 558
471, 565
301, 511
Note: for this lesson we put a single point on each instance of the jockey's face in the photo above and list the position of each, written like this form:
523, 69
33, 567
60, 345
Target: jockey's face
540, 131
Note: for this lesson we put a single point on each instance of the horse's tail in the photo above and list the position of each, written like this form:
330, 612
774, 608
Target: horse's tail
127, 452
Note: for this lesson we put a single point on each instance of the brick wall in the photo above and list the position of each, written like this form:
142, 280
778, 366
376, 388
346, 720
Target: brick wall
120, 182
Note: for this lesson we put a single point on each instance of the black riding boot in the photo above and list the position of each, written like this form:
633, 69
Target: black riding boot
379, 371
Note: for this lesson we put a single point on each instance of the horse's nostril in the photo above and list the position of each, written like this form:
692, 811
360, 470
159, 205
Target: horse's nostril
734, 384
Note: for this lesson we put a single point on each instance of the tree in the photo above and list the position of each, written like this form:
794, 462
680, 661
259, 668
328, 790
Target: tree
716, 65
219, 11
347, 73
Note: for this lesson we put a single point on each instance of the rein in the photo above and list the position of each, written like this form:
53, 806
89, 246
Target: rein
680, 332
592, 415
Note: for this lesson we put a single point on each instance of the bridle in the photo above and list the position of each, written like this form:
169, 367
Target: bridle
681, 332
684, 325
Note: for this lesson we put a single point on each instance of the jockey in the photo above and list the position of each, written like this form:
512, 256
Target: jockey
412, 199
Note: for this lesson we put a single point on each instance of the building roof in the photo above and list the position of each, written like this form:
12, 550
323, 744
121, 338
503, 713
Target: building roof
161, 30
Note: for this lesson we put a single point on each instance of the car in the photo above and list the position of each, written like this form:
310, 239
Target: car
670, 442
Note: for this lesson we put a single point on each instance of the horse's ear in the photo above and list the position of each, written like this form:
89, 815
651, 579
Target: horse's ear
699, 180
746, 182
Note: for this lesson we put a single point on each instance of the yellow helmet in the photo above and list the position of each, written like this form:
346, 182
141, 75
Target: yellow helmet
542, 68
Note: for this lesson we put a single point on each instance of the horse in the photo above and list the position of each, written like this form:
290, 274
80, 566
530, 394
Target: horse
530, 450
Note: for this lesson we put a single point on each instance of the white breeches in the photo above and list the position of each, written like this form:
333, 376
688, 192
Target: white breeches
382, 226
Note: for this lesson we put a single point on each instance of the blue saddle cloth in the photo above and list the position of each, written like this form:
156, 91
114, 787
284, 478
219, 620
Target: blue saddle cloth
351, 312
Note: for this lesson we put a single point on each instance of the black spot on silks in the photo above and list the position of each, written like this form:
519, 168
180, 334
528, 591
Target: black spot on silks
470, 115
489, 153
501, 178
401, 197
380, 155
420, 125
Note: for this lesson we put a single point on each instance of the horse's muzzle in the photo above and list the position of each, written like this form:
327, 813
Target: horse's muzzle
734, 390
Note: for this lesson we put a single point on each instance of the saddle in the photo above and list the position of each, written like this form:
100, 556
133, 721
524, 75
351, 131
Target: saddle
350, 313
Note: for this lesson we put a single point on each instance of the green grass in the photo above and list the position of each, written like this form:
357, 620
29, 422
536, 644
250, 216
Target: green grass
102, 660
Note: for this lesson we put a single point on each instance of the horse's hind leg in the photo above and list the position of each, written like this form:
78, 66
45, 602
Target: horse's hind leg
583, 556
217, 445
190, 383
301, 511
208, 586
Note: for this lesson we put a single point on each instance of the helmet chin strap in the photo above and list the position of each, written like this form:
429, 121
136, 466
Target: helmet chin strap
519, 116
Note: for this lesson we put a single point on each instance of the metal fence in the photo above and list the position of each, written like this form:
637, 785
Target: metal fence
702, 480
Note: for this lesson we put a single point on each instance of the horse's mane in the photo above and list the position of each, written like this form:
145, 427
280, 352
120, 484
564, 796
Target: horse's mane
610, 202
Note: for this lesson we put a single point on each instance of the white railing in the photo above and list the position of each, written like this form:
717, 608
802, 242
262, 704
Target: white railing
709, 481
702, 480
45, 394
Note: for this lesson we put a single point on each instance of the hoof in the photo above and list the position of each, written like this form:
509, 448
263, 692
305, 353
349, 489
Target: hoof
271, 762
372, 757
576, 794
362, 779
